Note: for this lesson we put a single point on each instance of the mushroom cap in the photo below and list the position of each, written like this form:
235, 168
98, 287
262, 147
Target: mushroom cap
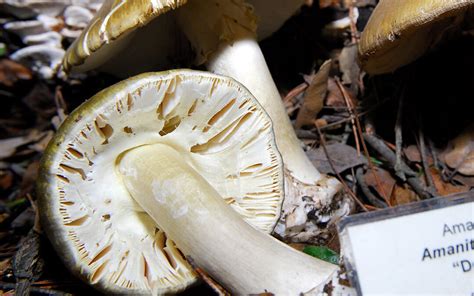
114, 20
42, 58
400, 31
115, 27
99, 231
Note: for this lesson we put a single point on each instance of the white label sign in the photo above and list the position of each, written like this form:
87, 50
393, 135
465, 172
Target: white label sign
429, 252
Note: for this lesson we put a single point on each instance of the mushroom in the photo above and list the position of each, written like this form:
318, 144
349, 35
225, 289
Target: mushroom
77, 16
43, 59
30, 8
400, 31
163, 161
51, 38
27, 28
222, 34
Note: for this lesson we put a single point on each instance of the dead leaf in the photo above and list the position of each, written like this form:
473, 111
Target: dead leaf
329, 3
412, 153
320, 122
335, 97
386, 181
43, 142
29, 178
459, 154
342, 156
5, 265
465, 180
41, 100
445, 188
11, 72
349, 67
313, 100
6, 180
8, 147
402, 194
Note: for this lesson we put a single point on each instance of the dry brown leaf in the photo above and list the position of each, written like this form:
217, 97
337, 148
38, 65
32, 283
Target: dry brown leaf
402, 195
320, 122
5, 264
6, 180
386, 181
445, 188
412, 153
460, 152
465, 180
342, 156
329, 3
335, 98
11, 72
29, 178
313, 100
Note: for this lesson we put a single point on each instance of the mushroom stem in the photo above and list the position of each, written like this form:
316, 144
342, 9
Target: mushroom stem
238, 55
243, 60
203, 226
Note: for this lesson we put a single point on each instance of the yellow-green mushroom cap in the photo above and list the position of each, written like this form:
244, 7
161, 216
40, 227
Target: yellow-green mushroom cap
115, 19
100, 232
400, 31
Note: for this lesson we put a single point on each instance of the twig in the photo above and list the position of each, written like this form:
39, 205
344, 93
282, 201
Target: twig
366, 151
295, 92
434, 154
34, 290
424, 159
399, 137
350, 108
207, 279
379, 146
354, 33
366, 190
351, 193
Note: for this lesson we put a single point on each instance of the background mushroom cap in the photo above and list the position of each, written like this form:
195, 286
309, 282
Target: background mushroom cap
400, 31
114, 20
149, 34
99, 231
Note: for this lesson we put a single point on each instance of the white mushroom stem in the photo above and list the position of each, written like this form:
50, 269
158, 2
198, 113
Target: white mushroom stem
243, 60
245, 260
239, 56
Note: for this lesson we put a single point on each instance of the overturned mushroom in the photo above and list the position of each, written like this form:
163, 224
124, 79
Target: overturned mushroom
400, 31
182, 152
225, 41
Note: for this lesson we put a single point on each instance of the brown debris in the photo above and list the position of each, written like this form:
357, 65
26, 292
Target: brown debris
314, 96
460, 152
11, 72
387, 182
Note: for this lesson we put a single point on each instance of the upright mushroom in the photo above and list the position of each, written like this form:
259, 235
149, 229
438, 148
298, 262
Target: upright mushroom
223, 35
400, 31
182, 152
